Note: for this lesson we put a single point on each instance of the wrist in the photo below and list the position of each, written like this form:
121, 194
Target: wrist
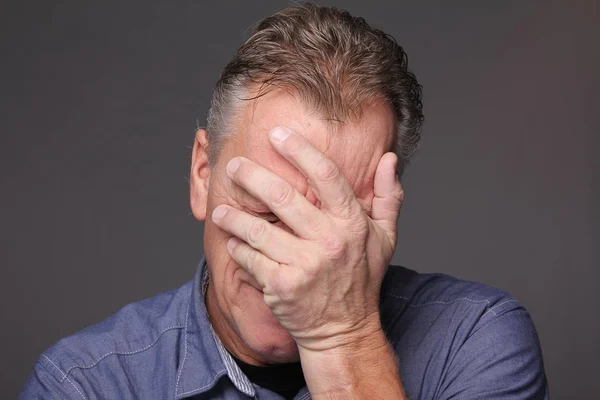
344, 350
363, 367
357, 337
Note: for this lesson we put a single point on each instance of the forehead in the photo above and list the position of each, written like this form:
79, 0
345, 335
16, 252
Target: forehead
355, 146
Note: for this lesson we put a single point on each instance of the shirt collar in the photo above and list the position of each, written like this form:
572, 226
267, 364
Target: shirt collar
204, 359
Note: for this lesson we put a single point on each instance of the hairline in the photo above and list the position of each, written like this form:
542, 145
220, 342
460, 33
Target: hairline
246, 95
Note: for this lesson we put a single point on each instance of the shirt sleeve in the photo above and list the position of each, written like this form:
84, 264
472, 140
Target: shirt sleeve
42, 385
500, 360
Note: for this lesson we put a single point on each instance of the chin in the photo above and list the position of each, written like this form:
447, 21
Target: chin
262, 332
275, 346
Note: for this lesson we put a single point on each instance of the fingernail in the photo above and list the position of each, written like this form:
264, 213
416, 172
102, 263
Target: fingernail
218, 213
232, 244
279, 133
233, 165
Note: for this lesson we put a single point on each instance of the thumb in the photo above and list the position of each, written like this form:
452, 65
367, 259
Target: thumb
388, 196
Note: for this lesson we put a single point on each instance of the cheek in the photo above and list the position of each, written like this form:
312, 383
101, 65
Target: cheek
226, 274
215, 239
214, 243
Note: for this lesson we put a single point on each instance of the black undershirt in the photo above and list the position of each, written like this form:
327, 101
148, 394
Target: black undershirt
283, 379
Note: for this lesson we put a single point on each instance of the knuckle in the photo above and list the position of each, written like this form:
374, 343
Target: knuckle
281, 285
251, 260
306, 259
402, 196
348, 210
398, 199
256, 231
399, 194
311, 264
359, 229
271, 300
280, 193
288, 289
335, 247
327, 171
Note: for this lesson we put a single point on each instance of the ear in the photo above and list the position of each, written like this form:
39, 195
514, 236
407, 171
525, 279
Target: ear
199, 176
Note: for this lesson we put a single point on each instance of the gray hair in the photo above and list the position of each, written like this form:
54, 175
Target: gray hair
335, 63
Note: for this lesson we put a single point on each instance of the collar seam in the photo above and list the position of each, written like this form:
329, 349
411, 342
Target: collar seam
217, 376
120, 353
185, 340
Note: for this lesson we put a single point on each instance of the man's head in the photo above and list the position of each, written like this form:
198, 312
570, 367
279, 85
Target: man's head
332, 62
330, 77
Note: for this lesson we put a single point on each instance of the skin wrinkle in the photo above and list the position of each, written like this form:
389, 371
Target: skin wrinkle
237, 309
334, 127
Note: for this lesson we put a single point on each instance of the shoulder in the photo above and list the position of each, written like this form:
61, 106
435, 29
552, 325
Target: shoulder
138, 329
436, 304
407, 289
464, 339
132, 329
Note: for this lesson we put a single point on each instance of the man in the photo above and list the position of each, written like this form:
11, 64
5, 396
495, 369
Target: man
297, 179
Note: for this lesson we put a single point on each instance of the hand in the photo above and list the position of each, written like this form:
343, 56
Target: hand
322, 281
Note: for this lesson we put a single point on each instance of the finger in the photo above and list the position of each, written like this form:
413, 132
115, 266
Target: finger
388, 196
257, 264
279, 196
272, 241
325, 178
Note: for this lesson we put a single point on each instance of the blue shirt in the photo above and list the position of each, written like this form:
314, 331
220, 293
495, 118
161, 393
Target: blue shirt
454, 340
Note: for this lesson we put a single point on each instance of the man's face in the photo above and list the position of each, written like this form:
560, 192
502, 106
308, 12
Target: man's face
237, 311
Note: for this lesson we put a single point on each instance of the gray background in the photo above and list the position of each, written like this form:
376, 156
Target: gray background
99, 104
